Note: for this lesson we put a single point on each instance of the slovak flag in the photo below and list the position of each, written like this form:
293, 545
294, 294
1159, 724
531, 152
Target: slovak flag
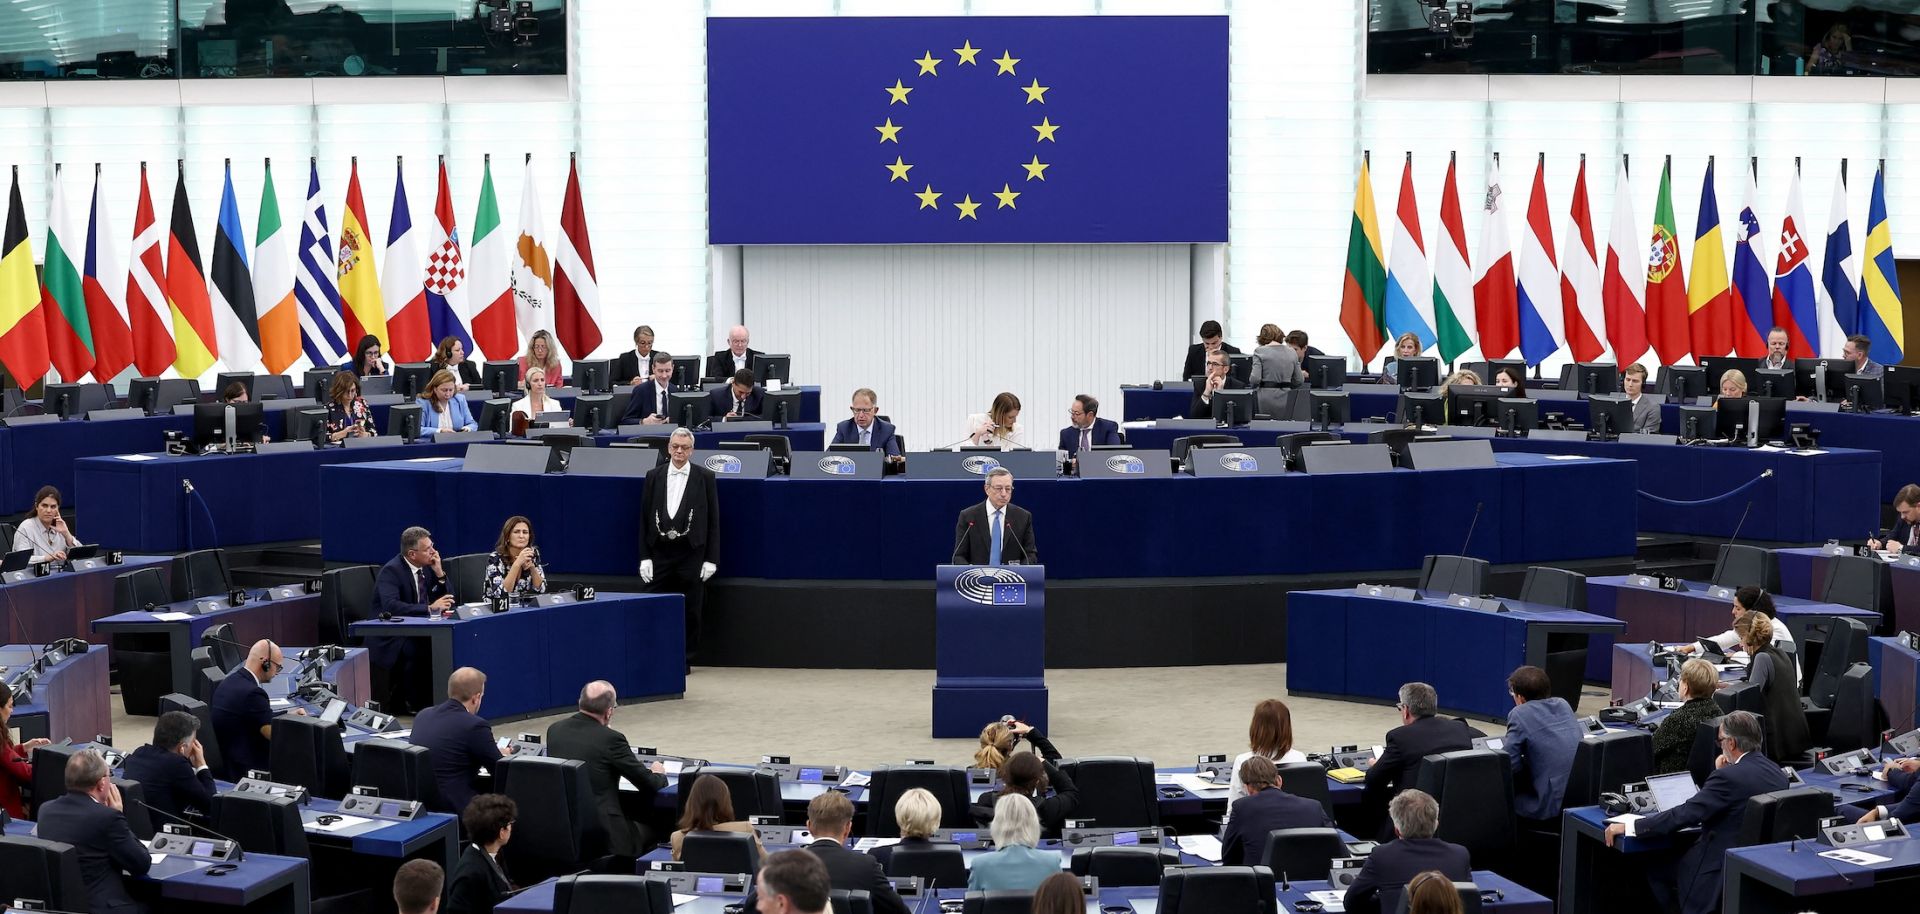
1796, 296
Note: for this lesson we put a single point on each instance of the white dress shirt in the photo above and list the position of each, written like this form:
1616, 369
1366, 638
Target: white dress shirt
677, 486
42, 539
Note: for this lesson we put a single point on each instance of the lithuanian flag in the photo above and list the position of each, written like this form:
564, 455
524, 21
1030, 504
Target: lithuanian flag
1363, 299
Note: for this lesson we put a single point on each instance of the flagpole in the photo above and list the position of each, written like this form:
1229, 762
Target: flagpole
1626, 164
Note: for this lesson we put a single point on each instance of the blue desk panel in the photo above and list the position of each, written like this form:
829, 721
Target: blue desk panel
1682, 616
70, 699
1896, 681
32, 456
64, 604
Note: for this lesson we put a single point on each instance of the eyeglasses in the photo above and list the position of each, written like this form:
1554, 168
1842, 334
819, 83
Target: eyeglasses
862, 410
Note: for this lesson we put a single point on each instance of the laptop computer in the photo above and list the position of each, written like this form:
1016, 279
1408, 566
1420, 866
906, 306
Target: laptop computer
18, 560
1671, 790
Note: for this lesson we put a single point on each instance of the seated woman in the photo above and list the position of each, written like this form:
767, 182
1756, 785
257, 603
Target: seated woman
1432, 892
16, 761
236, 392
1750, 599
1732, 384
536, 403
515, 569
540, 354
1771, 672
1016, 862
367, 360
918, 814
1465, 377
451, 355
1270, 736
1059, 893
1000, 425
710, 808
1514, 380
1406, 346
444, 408
46, 532
1030, 776
1673, 739
347, 412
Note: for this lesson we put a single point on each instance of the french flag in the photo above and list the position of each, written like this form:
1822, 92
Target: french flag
447, 273
1540, 299
1796, 296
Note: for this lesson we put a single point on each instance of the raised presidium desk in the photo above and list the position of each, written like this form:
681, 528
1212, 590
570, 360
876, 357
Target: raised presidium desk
538, 657
1803, 570
1346, 644
69, 699
1669, 616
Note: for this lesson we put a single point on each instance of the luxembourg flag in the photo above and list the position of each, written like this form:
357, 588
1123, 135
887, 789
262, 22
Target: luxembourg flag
1409, 287
1839, 281
1580, 283
447, 272
1752, 296
1540, 301
1796, 297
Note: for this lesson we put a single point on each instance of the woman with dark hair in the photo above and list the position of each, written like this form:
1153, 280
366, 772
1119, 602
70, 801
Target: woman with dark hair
451, 355
46, 532
515, 569
478, 881
1750, 599
347, 412
367, 360
1513, 379
16, 761
1270, 736
710, 808
1030, 775
1059, 894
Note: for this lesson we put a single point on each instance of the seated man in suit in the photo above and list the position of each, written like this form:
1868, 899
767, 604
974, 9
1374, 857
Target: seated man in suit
830, 821
1264, 809
1740, 773
867, 429
1900, 774
1646, 407
413, 583
737, 357
1085, 428
173, 768
1416, 816
740, 399
996, 531
416, 887
242, 713
633, 364
90, 818
589, 736
650, 404
479, 883
1212, 340
1219, 377
1541, 738
1906, 530
792, 882
1421, 734
459, 743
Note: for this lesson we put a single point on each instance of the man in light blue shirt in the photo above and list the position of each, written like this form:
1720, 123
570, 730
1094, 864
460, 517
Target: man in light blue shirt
1541, 738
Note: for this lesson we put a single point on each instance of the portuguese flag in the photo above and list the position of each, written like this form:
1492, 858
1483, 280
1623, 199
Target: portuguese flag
1363, 299
1667, 308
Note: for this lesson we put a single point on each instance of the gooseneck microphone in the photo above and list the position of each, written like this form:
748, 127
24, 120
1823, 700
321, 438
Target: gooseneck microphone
962, 535
239, 852
1471, 525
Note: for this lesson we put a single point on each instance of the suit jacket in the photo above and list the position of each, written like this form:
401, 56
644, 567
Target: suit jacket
1105, 431
882, 437
699, 517
240, 708
1398, 766
395, 590
720, 364
1200, 409
1901, 532
462, 420
720, 401
171, 784
975, 538
1015, 867
849, 869
1646, 414
458, 745
475, 885
1254, 815
1393, 864
630, 365
105, 845
1719, 809
1541, 738
1196, 363
608, 759
466, 371
644, 403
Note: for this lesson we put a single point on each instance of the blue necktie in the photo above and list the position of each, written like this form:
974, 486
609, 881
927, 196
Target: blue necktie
993, 552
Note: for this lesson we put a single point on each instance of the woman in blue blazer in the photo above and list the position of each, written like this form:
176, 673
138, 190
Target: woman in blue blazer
1016, 864
444, 408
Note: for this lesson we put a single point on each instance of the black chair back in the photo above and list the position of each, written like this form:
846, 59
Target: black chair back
46, 870
135, 808
49, 775
587, 894
1303, 853
140, 588
1306, 779
308, 752
720, 852
998, 901
209, 741
1454, 574
754, 792
467, 576
1856, 720
346, 596
398, 770
1862, 582
1474, 788
947, 784
201, 573
1181, 446
209, 679
568, 834
1747, 566
849, 901
1554, 587
1116, 791
1396, 440
1291, 443
262, 824
1123, 866
1218, 890
1602, 763
941, 862
1846, 645
1469, 898
1783, 815
223, 647
780, 446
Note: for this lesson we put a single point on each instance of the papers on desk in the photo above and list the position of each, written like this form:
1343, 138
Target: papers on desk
1626, 819
279, 704
1566, 457
344, 823
1200, 784
398, 734
427, 459
867, 844
856, 779
136, 458
172, 617
1853, 856
1145, 905
1334, 901
156, 858
679, 899
1206, 847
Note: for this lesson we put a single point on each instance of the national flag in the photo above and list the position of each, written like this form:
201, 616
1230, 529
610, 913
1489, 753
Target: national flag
273, 283
446, 280
1452, 277
235, 320
196, 344
103, 274
149, 318
1363, 296
1666, 280
1496, 302
1841, 318
576, 290
63, 301
1540, 304
409, 333
1708, 299
1409, 300
23, 332
490, 278
323, 332
532, 270
360, 302
1581, 303
1623, 285
1752, 302
1880, 316
1796, 297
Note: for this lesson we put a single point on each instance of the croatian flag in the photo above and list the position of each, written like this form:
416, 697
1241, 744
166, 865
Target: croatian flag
447, 272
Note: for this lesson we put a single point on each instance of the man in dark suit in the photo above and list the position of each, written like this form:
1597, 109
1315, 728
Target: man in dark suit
1416, 816
242, 713
459, 743
1265, 808
1421, 734
867, 428
413, 583
1542, 737
1219, 377
1740, 773
1906, 530
173, 768
590, 737
791, 882
1085, 428
996, 531
478, 881
830, 821
90, 818
680, 531
634, 363
736, 357
650, 402
1211, 341
740, 399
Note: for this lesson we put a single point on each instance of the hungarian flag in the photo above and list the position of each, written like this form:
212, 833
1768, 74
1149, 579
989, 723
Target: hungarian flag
104, 283
1580, 299
532, 270
359, 280
196, 344
149, 317
1666, 281
1841, 319
446, 280
1880, 316
1796, 297
490, 276
273, 283
1541, 308
1709, 302
1623, 285
63, 299
576, 293
409, 333
1452, 277
1752, 303
323, 334
1363, 297
1496, 299
236, 323
23, 332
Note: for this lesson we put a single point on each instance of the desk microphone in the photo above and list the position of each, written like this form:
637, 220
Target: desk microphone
1743, 518
239, 853
962, 535
1023, 547
1471, 525
1285, 885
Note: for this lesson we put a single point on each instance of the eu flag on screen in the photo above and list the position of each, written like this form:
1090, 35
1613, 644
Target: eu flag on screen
977, 129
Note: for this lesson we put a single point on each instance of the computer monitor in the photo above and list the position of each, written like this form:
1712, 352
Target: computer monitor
226, 379
1865, 394
689, 408
144, 394
1516, 415
1240, 367
315, 383
593, 412
593, 376
1718, 365
271, 387
1326, 408
1698, 423
1422, 372
1683, 382
1595, 378
1232, 407
1901, 385
500, 378
1736, 418
1472, 404
1421, 407
496, 416
410, 379
781, 407
1518, 367
403, 419
307, 424
374, 385
61, 400
210, 422
686, 372
776, 366
1821, 379
1608, 415
1326, 372
1771, 382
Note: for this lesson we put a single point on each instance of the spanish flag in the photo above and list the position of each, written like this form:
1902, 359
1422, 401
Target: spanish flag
360, 301
23, 332
195, 345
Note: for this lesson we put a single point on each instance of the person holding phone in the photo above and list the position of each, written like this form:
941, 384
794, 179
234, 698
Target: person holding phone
46, 532
514, 568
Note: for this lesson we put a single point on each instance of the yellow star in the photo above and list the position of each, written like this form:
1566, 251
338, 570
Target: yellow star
1006, 60
899, 92
1036, 169
1036, 92
888, 132
967, 54
929, 199
927, 64
966, 207
899, 170
1006, 195
1045, 128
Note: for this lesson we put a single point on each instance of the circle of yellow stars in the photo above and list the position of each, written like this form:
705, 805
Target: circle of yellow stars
966, 55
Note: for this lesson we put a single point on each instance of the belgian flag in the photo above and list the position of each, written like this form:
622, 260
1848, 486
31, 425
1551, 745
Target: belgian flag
23, 332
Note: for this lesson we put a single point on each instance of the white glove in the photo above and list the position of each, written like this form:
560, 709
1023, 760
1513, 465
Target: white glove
646, 571
707, 569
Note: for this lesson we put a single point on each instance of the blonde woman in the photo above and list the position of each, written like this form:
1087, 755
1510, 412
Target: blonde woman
999, 425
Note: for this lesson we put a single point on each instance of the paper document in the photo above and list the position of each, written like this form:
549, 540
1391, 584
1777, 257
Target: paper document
1206, 847
172, 617
1200, 784
345, 822
856, 779
1566, 457
866, 844
156, 859
671, 768
1334, 901
136, 458
1854, 856
427, 459
679, 899
628, 785
280, 704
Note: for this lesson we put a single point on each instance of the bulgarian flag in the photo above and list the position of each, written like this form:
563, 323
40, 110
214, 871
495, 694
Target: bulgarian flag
1667, 309
63, 293
1363, 297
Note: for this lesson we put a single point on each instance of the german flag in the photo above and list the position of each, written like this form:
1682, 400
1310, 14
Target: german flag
195, 345
23, 332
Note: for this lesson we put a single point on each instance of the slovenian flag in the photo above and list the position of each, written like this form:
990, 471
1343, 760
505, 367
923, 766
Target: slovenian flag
1752, 293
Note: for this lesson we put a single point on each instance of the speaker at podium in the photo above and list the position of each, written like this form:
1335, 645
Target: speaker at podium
990, 647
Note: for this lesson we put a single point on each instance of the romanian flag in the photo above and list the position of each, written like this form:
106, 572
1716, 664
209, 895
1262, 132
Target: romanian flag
360, 299
23, 334
195, 342
62, 293
1709, 299
1666, 281
1363, 298
1880, 317
273, 283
